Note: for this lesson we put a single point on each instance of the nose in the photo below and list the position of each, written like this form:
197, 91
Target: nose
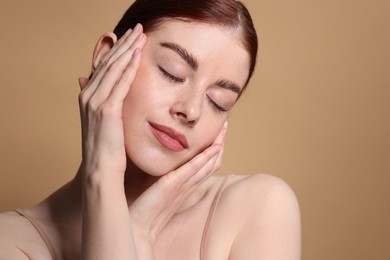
187, 107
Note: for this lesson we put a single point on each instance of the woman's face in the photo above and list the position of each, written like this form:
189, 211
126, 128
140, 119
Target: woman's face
189, 79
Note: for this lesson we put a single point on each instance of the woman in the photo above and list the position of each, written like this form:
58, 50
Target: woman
154, 119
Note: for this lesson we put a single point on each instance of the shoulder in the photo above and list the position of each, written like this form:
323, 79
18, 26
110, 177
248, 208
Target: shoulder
261, 191
12, 226
267, 211
257, 193
10, 237
18, 239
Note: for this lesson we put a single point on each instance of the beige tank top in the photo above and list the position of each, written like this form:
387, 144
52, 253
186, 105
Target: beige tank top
40, 232
205, 236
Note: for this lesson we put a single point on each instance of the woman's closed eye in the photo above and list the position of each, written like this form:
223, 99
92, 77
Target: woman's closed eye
169, 76
175, 79
216, 106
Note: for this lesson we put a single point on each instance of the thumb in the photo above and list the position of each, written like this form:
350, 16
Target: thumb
83, 81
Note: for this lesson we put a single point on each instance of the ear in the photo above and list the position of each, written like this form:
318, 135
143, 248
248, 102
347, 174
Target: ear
103, 46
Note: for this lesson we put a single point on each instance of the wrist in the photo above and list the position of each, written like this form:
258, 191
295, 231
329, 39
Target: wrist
99, 184
95, 174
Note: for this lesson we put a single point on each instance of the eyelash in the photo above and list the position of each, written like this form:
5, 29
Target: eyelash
169, 76
216, 106
173, 78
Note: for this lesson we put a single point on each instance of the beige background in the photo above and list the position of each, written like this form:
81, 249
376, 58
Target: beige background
316, 114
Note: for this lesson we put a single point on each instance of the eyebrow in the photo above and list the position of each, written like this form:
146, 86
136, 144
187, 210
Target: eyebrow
194, 64
184, 54
226, 84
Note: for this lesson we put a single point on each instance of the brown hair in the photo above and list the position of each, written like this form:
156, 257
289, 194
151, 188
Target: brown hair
227, 13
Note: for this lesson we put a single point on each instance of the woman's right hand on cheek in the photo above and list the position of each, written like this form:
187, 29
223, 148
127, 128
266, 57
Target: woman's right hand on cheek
101, 100
157, 205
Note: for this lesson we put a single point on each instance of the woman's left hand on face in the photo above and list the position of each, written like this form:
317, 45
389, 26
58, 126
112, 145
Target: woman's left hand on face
156, 206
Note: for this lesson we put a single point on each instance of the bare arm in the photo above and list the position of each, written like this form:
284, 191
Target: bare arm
107, 231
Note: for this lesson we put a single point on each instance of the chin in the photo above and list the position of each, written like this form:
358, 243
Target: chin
154, 162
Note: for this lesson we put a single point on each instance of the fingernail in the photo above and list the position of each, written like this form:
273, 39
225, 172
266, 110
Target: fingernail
225, 125
128, 32
137, 27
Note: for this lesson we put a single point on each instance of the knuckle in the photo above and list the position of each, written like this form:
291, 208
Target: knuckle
107, 109
193, 164
168, 182
92, 105
217, 166
112, 67
208, 154
209, 167
83, 99
129, 39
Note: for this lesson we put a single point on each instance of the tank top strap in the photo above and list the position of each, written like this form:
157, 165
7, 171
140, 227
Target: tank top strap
39, 230
205, 236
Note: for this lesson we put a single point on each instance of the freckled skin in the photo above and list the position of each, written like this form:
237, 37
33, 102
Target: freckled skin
154, 98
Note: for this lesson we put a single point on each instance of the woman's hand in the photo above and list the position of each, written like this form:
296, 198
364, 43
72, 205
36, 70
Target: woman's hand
107, 232
101, 100
156, 206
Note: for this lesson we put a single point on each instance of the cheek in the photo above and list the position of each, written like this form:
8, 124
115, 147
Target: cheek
141, 82
141, 91
206, 134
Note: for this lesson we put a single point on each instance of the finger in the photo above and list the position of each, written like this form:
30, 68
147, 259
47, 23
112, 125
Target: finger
191, 185
104, 64
181, 175
97, 68
222, 136
119, 92
172, 187
83, 81
176, 192
220, 139
213, 164
194, 166
203, 173
218, 162
120, 74
121, 46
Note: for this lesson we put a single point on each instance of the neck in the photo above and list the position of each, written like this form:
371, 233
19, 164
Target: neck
67, 201
65, 205
136, 181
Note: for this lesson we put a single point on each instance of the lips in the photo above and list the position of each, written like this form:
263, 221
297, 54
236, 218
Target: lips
169, 138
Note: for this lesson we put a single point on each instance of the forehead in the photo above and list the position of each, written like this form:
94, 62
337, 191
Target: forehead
218, 49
